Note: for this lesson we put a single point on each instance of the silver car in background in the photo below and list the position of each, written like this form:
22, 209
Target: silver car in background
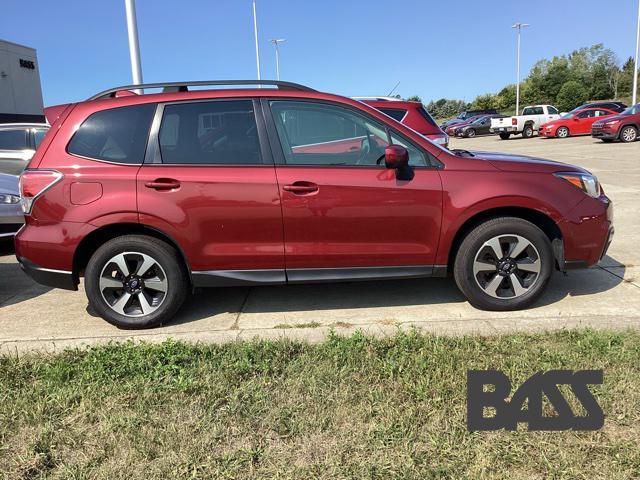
18, 143
11, 217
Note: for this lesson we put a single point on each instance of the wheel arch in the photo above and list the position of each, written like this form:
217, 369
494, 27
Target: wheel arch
538, 218
89, 244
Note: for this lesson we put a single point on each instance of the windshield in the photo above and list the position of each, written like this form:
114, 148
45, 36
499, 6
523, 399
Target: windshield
479, 120
568, 115
632, 110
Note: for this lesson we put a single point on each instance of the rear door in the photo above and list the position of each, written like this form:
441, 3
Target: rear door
209, 181
342, 209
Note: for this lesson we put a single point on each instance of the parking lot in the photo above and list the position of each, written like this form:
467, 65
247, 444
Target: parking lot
608, 296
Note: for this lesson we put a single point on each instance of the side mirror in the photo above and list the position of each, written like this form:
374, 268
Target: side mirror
397, 157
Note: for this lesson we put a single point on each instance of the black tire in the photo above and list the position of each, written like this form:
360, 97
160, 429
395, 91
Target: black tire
563, 132
472, 246
471, 133
628, 134
170, 264
528, 131
505, 136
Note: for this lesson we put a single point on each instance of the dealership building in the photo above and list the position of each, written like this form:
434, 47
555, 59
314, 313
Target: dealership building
20, 90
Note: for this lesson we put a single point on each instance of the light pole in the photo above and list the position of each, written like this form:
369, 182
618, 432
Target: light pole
255, 33
276, 42
519, 26
635, 70
134, 47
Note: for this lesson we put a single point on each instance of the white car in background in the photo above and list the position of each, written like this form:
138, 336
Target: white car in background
526, 124
18, 143
11, 217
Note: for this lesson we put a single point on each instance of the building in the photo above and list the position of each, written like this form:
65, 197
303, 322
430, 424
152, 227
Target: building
20, 90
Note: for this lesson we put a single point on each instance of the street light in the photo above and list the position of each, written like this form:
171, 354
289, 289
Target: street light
635, 70
519, 27
276, 42
255, 33
134, 47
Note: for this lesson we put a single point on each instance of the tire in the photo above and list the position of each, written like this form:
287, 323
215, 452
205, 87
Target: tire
628, 134
562, 132
505, 136
147, 300
527, 132
471, 133
490, 286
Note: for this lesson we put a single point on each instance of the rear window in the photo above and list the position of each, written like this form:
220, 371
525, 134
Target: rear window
13, 140
116, 135
395, 113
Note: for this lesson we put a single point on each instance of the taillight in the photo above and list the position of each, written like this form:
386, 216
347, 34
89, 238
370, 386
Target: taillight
514, 121
34, 183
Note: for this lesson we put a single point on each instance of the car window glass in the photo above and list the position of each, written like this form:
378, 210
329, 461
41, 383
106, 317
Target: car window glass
553, 111
116, 135
323, 134
13, 140
416, 157
38, 135
210, 133
395, 113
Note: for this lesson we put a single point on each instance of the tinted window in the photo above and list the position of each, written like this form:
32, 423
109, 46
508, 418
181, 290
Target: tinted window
13, 140
210, 133
587, 114
322, 134
38, 135
116, 135
533, 111
395, 113
553, 111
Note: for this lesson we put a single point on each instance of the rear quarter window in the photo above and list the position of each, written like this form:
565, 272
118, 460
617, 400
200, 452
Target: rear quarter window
395, 113
116, 135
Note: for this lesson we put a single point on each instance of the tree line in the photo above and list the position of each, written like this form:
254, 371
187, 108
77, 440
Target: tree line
566, 81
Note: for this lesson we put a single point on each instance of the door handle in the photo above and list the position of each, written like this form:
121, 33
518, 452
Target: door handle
301, 188
163, 184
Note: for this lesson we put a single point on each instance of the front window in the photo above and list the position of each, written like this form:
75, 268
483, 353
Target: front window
553, 111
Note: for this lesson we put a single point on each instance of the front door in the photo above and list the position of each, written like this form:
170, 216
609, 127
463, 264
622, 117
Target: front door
342, 209
211, 184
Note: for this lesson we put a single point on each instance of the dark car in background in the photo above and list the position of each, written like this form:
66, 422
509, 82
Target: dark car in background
467, 115
623, 127
618, 107
18, 143
479, 126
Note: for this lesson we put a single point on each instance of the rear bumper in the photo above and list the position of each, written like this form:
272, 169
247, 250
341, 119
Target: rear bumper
48, 277
503, 129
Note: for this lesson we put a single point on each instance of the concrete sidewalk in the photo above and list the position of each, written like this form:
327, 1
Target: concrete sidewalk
608, 296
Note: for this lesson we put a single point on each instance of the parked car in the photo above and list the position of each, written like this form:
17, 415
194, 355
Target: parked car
451, 129
11, 216
412, 114
480, 126
466, 115
18, 142
526, 124
624, 127
575, 123
618, 107
149, 196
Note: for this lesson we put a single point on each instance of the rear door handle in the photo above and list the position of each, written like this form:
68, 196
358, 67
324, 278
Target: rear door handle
301, 188
163, 184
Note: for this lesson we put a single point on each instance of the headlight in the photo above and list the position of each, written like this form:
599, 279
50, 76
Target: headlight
8, 199
612, 122
587, 183
441, 140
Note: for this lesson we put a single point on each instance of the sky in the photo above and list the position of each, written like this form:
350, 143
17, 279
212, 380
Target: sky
435, 49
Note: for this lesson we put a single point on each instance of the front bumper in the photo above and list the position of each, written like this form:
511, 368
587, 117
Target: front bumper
604, 133
48, 277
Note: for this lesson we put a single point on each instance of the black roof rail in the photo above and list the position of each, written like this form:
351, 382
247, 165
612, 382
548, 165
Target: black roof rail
184, 86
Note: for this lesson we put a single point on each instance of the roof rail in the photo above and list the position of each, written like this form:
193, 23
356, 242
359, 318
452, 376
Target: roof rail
184, 86
380, 99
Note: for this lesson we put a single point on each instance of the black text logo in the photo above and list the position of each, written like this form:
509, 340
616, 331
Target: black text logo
27, 64
510, 412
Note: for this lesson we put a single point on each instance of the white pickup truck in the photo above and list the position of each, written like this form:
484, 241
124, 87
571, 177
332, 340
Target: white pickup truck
526, 124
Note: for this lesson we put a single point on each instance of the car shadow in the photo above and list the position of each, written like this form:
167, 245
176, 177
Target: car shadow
15, 285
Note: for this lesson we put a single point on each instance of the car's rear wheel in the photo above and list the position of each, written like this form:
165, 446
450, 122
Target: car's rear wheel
135, 281
629, 134
505, 136
528, 131
562, 132
471, 133
504, 264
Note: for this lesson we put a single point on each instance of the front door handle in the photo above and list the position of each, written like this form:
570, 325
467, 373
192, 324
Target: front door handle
163, 184
301, 188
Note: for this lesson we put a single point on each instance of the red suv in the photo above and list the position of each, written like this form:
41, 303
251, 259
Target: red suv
149, 196
625, 126
411, 114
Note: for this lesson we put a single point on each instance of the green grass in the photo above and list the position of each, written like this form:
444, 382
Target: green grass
351, 407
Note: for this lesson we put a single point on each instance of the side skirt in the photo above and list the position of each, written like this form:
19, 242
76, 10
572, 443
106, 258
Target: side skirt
234, 278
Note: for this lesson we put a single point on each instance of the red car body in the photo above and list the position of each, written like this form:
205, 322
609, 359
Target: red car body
276, 223
575, 123
624, 126
413, 115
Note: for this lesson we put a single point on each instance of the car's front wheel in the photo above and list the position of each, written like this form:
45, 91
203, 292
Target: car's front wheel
136, 281
629, 134
504, 264
471, 133
562, 132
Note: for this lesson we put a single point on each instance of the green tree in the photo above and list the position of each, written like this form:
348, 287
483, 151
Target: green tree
414, 98
485, 101
571, 94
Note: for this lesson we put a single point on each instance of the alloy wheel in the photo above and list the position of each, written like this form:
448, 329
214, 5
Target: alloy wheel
507, 266
629, 134
133, 284
562, 132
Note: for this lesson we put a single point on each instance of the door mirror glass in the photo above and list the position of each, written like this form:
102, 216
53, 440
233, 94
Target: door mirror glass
396, 157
